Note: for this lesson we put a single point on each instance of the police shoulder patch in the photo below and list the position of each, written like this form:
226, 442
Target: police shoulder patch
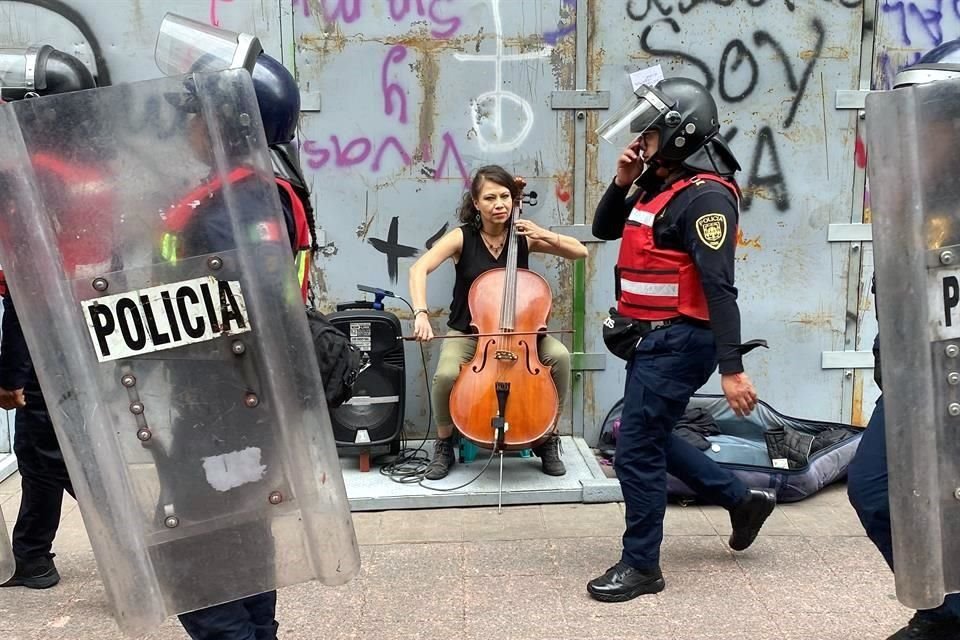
712, 229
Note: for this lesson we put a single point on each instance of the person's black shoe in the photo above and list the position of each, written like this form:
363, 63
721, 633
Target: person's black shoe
549, 453
443, 459
622, 582
34, 574
926, 627
748, 517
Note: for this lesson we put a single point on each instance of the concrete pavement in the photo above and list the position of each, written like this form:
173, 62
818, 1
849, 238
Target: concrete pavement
464, 574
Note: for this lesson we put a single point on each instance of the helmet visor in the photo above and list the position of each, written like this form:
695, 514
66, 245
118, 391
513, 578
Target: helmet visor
186, 46
645, 108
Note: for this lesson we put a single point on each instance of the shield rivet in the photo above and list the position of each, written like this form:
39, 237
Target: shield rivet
245, 119
214, 263
144, 435
136, 408
953, 377
251, 400
947, 257
172, 522
100, 284
276, 497
238, 348
128, 380
956, 494
952, 351
954, 409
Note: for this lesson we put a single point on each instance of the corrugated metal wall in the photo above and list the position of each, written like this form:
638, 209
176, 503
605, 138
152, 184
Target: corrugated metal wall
403, 98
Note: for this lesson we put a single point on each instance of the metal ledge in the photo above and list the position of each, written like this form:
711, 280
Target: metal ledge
846, 360
523, 483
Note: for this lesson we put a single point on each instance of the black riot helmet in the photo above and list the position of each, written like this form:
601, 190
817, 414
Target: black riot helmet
685, 115
940, 63
278, 97
41, 71
185, 46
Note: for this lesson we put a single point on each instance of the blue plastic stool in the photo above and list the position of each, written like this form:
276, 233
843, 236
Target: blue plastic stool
468, 451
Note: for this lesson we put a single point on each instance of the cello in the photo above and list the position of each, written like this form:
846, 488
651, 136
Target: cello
505, 399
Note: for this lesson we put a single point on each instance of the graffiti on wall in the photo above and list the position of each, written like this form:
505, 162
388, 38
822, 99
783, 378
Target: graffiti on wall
499, 120
734, 72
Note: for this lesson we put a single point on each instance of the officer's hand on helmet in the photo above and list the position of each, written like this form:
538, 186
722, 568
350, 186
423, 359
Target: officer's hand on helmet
12, 399
629, 165
422, 330
741, 396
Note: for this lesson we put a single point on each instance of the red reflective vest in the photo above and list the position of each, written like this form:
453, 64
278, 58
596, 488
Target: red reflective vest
658, 284
181, 213
82, 202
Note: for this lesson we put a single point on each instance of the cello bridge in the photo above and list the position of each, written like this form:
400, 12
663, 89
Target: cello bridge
506, 355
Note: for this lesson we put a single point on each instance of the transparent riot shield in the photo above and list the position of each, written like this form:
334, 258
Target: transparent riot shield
914, 161
7, 563
146, 251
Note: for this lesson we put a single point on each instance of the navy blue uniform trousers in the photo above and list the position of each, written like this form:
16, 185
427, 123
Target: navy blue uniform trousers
668, 366
868, 490
250, 618
43, 479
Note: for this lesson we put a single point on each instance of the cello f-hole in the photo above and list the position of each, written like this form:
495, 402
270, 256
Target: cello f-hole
527, 350
483, 363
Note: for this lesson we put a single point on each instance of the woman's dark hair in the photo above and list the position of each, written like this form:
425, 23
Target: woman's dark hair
494, 173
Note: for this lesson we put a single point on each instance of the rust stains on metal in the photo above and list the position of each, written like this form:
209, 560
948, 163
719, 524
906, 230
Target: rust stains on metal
364, 227
857, 418
428, 71
759, 192
330, 40
834, 53
744, 241
823, 319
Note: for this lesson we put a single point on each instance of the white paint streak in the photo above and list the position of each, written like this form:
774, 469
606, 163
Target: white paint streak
496, 143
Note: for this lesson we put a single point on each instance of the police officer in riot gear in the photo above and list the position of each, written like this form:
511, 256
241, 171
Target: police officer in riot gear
868, 476
678, 317
43, 474
207, 229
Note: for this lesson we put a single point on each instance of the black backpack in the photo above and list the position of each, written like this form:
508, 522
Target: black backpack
340, 360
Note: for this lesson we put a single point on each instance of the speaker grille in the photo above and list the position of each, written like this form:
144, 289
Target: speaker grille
377, 405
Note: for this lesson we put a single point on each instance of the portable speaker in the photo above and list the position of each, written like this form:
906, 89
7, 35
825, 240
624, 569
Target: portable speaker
374, 415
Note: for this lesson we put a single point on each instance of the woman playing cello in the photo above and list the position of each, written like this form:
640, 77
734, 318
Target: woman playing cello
479, 244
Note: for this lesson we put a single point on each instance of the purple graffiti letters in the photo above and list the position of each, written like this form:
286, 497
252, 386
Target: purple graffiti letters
444, 26
391, 90
214, 20
553, 37
346, 10
359, 150
924, 14
450, 148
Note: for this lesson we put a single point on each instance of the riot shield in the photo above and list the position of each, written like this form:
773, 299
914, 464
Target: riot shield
7, 562
914, 159
179, 373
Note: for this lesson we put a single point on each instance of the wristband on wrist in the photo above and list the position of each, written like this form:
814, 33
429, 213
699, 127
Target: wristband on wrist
417, 312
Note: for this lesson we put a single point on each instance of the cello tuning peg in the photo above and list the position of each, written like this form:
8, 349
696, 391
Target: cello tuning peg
530, 198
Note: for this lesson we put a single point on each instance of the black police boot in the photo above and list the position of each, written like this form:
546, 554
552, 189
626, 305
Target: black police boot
622, 582
549, 453
926, 627
748, 516
443, 459
34, 574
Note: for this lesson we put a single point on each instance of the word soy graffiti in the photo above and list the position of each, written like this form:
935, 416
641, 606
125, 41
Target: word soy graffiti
349, 11
640, 9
